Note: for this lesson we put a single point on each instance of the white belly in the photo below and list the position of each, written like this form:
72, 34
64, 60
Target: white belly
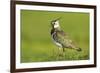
59, 45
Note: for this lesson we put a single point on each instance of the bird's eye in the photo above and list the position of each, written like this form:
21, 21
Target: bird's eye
53, 23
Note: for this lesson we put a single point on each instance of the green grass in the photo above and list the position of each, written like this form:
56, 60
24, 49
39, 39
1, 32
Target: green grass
36, 42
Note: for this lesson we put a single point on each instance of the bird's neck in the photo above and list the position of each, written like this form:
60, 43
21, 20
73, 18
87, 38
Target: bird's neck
58, 28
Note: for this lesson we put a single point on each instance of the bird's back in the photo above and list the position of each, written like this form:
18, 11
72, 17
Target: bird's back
65, 40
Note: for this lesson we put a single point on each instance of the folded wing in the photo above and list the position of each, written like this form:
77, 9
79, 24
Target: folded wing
65, 40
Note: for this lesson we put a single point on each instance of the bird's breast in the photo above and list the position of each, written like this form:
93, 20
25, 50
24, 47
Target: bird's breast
54, 38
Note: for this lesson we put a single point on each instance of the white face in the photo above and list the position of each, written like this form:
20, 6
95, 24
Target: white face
56, 25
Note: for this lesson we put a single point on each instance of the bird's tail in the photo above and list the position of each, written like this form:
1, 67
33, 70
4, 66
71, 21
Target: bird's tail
79, 49
76, 48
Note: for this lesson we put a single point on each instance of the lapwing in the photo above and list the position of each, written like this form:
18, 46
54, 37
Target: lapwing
61, 39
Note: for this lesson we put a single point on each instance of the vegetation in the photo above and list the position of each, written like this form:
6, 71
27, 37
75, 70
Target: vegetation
36, 42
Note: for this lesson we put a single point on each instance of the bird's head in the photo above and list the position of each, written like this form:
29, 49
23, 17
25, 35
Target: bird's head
55, 23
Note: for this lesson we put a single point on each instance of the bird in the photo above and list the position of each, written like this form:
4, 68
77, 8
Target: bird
60, 38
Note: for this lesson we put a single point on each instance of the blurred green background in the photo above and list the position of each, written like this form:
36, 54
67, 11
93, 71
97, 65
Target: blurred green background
36, 42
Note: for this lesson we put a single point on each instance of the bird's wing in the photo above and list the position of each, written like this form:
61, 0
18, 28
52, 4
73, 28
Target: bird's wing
65, 40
